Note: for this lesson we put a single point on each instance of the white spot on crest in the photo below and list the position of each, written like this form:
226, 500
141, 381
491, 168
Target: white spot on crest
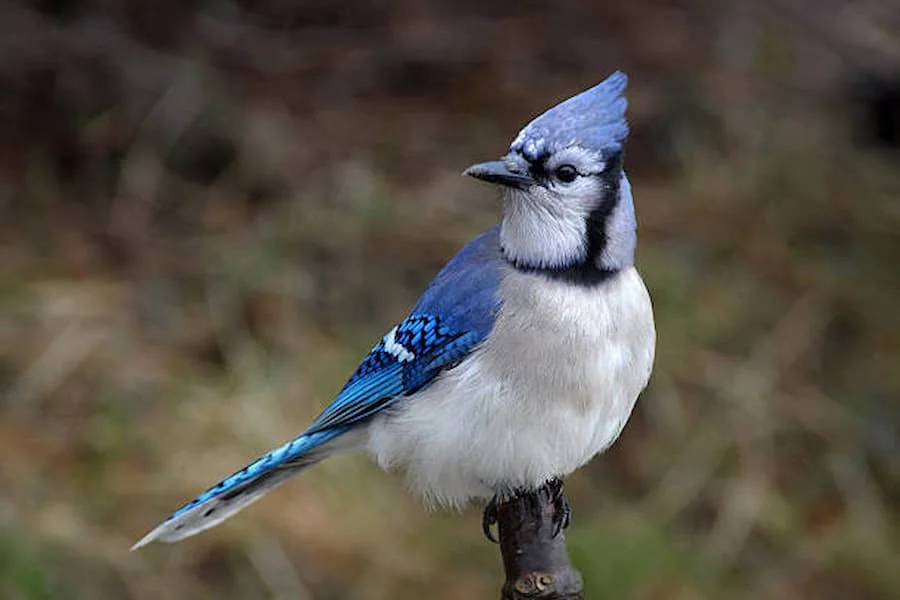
395, 349
520, 138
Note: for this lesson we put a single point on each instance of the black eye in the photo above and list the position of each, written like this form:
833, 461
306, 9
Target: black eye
565, 173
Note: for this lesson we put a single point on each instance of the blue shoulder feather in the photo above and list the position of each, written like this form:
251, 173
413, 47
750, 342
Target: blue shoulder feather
465, 293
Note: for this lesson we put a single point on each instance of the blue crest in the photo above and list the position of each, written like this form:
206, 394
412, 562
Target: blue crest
594, 119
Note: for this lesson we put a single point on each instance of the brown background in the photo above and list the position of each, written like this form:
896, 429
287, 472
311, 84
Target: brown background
209, 211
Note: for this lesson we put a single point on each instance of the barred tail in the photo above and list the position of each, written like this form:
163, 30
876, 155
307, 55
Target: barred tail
241, 489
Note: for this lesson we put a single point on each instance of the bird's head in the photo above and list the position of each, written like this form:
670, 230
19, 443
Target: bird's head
567, 204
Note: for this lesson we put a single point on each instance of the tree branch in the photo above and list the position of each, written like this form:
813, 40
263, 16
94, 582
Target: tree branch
536, 563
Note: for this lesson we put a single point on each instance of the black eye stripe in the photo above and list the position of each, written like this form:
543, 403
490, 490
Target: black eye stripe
540, 170
538, 166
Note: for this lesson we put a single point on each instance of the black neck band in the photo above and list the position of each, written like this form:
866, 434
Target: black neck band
590, 271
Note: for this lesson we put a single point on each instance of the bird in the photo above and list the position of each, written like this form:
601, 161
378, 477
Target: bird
521, 360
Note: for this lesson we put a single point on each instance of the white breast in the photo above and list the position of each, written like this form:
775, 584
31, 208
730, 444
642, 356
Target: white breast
552, 386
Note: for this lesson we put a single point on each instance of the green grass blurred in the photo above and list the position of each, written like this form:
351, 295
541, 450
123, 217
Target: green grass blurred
215, 264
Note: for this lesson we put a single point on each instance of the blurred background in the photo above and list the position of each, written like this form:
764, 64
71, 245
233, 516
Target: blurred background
210, 210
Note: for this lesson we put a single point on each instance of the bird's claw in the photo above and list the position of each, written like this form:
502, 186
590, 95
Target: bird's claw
489, 519
562, 510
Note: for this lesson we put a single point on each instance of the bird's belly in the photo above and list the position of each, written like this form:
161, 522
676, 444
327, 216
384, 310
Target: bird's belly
552, 386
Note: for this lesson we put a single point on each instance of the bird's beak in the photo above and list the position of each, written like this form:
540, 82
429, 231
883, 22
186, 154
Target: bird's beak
496, 171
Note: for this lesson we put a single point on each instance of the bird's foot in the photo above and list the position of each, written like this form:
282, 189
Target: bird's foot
562, 510
489, 518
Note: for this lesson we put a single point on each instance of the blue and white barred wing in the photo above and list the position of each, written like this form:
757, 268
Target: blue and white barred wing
403, 362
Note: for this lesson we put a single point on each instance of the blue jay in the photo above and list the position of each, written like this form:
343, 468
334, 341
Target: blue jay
522, 359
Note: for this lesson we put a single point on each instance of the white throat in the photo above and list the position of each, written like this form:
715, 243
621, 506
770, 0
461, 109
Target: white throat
544, 230
541, 232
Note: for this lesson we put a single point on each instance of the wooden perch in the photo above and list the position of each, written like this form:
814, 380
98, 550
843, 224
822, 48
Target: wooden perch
536, 563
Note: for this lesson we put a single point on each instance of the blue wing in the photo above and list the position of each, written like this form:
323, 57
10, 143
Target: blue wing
403, 362
455, 313
452, 317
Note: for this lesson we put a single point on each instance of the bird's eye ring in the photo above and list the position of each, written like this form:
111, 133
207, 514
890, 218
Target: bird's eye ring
566, 173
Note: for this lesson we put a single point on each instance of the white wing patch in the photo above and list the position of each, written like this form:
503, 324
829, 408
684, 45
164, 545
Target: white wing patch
395, 349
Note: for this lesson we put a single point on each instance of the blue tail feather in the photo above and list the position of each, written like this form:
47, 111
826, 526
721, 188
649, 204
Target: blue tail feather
292, 452
243, 487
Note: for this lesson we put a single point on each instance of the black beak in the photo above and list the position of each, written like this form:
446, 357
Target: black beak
496, 171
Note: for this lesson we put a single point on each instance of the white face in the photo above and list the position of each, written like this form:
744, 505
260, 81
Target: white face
545, 226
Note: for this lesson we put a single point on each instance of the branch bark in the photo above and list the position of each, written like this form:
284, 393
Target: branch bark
536, 563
